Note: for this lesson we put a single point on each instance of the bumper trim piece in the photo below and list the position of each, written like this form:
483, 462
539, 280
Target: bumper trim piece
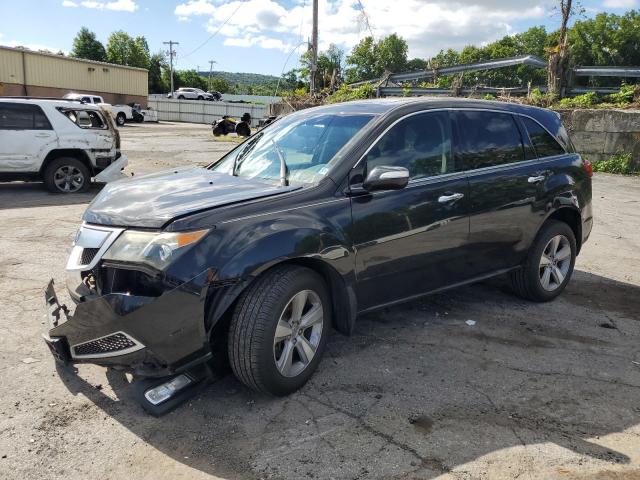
135, 345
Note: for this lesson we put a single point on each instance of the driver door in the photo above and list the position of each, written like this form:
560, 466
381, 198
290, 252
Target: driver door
411, 241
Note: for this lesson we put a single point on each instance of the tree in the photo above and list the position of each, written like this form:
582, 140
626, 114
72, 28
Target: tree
391, 54
219, 84
363, 61
559, 60
85, 45
125, 50
370, 59
156, 83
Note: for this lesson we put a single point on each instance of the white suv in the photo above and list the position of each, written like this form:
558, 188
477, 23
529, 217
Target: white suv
63, 143
191, 94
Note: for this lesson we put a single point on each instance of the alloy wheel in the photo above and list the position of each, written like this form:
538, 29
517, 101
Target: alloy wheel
298, 333
68, 179
555, 262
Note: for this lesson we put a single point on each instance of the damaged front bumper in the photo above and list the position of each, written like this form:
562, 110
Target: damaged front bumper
147, 336
113, 172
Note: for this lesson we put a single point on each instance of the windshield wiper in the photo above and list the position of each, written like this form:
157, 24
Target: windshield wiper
283, 165
238, 160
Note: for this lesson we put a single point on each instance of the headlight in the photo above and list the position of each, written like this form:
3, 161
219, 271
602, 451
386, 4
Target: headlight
155, 249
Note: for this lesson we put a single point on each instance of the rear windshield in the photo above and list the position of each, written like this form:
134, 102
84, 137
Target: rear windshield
306, 143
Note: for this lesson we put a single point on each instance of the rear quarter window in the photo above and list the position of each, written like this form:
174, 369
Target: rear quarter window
543, 142
22, 116
487, 139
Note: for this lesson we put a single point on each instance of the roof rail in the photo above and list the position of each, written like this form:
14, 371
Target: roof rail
22, 97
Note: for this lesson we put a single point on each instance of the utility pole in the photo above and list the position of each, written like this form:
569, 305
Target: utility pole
172, 53
211, 62
314, 48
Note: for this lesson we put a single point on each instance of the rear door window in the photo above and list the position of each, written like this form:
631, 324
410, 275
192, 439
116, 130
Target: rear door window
543, 142
487, 139
420, 143
97, 100
22, 116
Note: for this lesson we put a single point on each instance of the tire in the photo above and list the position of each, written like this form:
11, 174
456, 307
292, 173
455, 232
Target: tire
200, 97
138, 117
537, 280
257, 358
180, 97
75, 170
121, 119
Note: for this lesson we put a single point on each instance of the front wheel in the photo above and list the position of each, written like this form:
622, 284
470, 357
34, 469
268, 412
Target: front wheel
279, 330
550, 263
121, 119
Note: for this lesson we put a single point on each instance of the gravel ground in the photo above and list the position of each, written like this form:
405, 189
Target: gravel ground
530, 391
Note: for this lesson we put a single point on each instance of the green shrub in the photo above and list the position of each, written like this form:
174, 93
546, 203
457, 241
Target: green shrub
346, 93
624, 96
586, 100
537, 98
489, 96
620, 163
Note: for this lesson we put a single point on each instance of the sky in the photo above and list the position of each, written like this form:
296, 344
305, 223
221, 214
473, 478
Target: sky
267, 36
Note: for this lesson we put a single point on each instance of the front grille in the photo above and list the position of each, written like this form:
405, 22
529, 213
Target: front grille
114, 344
88, 254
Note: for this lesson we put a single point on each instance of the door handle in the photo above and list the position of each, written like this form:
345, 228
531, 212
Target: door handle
42, 135
450, 198
537, 179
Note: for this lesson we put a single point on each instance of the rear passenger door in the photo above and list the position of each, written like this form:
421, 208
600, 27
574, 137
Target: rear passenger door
25, 134
506, 201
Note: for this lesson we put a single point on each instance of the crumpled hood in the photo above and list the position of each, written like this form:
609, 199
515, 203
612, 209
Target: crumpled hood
151, 201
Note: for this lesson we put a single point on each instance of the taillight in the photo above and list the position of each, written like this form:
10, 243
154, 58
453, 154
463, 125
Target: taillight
586, 164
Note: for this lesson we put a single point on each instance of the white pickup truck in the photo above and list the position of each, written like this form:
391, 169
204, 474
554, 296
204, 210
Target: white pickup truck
121, 113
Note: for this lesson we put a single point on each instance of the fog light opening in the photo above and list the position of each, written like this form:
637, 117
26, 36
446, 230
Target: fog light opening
165, 391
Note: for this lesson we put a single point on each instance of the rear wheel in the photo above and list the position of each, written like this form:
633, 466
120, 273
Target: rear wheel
180, 97
121, 119
67, 175
279, 329
550, 263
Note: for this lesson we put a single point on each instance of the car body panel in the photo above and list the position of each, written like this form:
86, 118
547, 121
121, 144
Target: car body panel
150, 201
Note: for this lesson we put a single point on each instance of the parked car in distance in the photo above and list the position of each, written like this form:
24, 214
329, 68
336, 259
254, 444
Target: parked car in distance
215, 96
63, 143
121, 113
325, 214
190, 94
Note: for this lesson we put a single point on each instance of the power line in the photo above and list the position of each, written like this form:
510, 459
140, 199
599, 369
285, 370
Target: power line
214, 33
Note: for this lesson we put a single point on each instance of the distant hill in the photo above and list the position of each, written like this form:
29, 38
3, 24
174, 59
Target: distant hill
242, 79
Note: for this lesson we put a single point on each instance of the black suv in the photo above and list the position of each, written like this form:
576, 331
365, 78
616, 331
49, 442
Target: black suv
325, 214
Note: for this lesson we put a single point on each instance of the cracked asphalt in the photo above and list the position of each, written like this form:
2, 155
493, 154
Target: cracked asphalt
534, 391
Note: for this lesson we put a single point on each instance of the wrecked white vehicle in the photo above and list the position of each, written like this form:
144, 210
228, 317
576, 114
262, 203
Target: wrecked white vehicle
64, 143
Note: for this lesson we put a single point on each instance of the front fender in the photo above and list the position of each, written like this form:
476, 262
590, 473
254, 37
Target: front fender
249, 247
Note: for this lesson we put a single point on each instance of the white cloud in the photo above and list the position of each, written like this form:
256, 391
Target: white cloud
118, 5
620, 3
427, 26
30, 46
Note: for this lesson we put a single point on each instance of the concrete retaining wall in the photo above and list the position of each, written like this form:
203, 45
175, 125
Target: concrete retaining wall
599, 134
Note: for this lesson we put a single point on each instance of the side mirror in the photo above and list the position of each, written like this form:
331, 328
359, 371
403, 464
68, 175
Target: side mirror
386, 178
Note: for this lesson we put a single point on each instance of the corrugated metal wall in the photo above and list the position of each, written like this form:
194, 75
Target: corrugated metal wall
46, 70
202, 111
